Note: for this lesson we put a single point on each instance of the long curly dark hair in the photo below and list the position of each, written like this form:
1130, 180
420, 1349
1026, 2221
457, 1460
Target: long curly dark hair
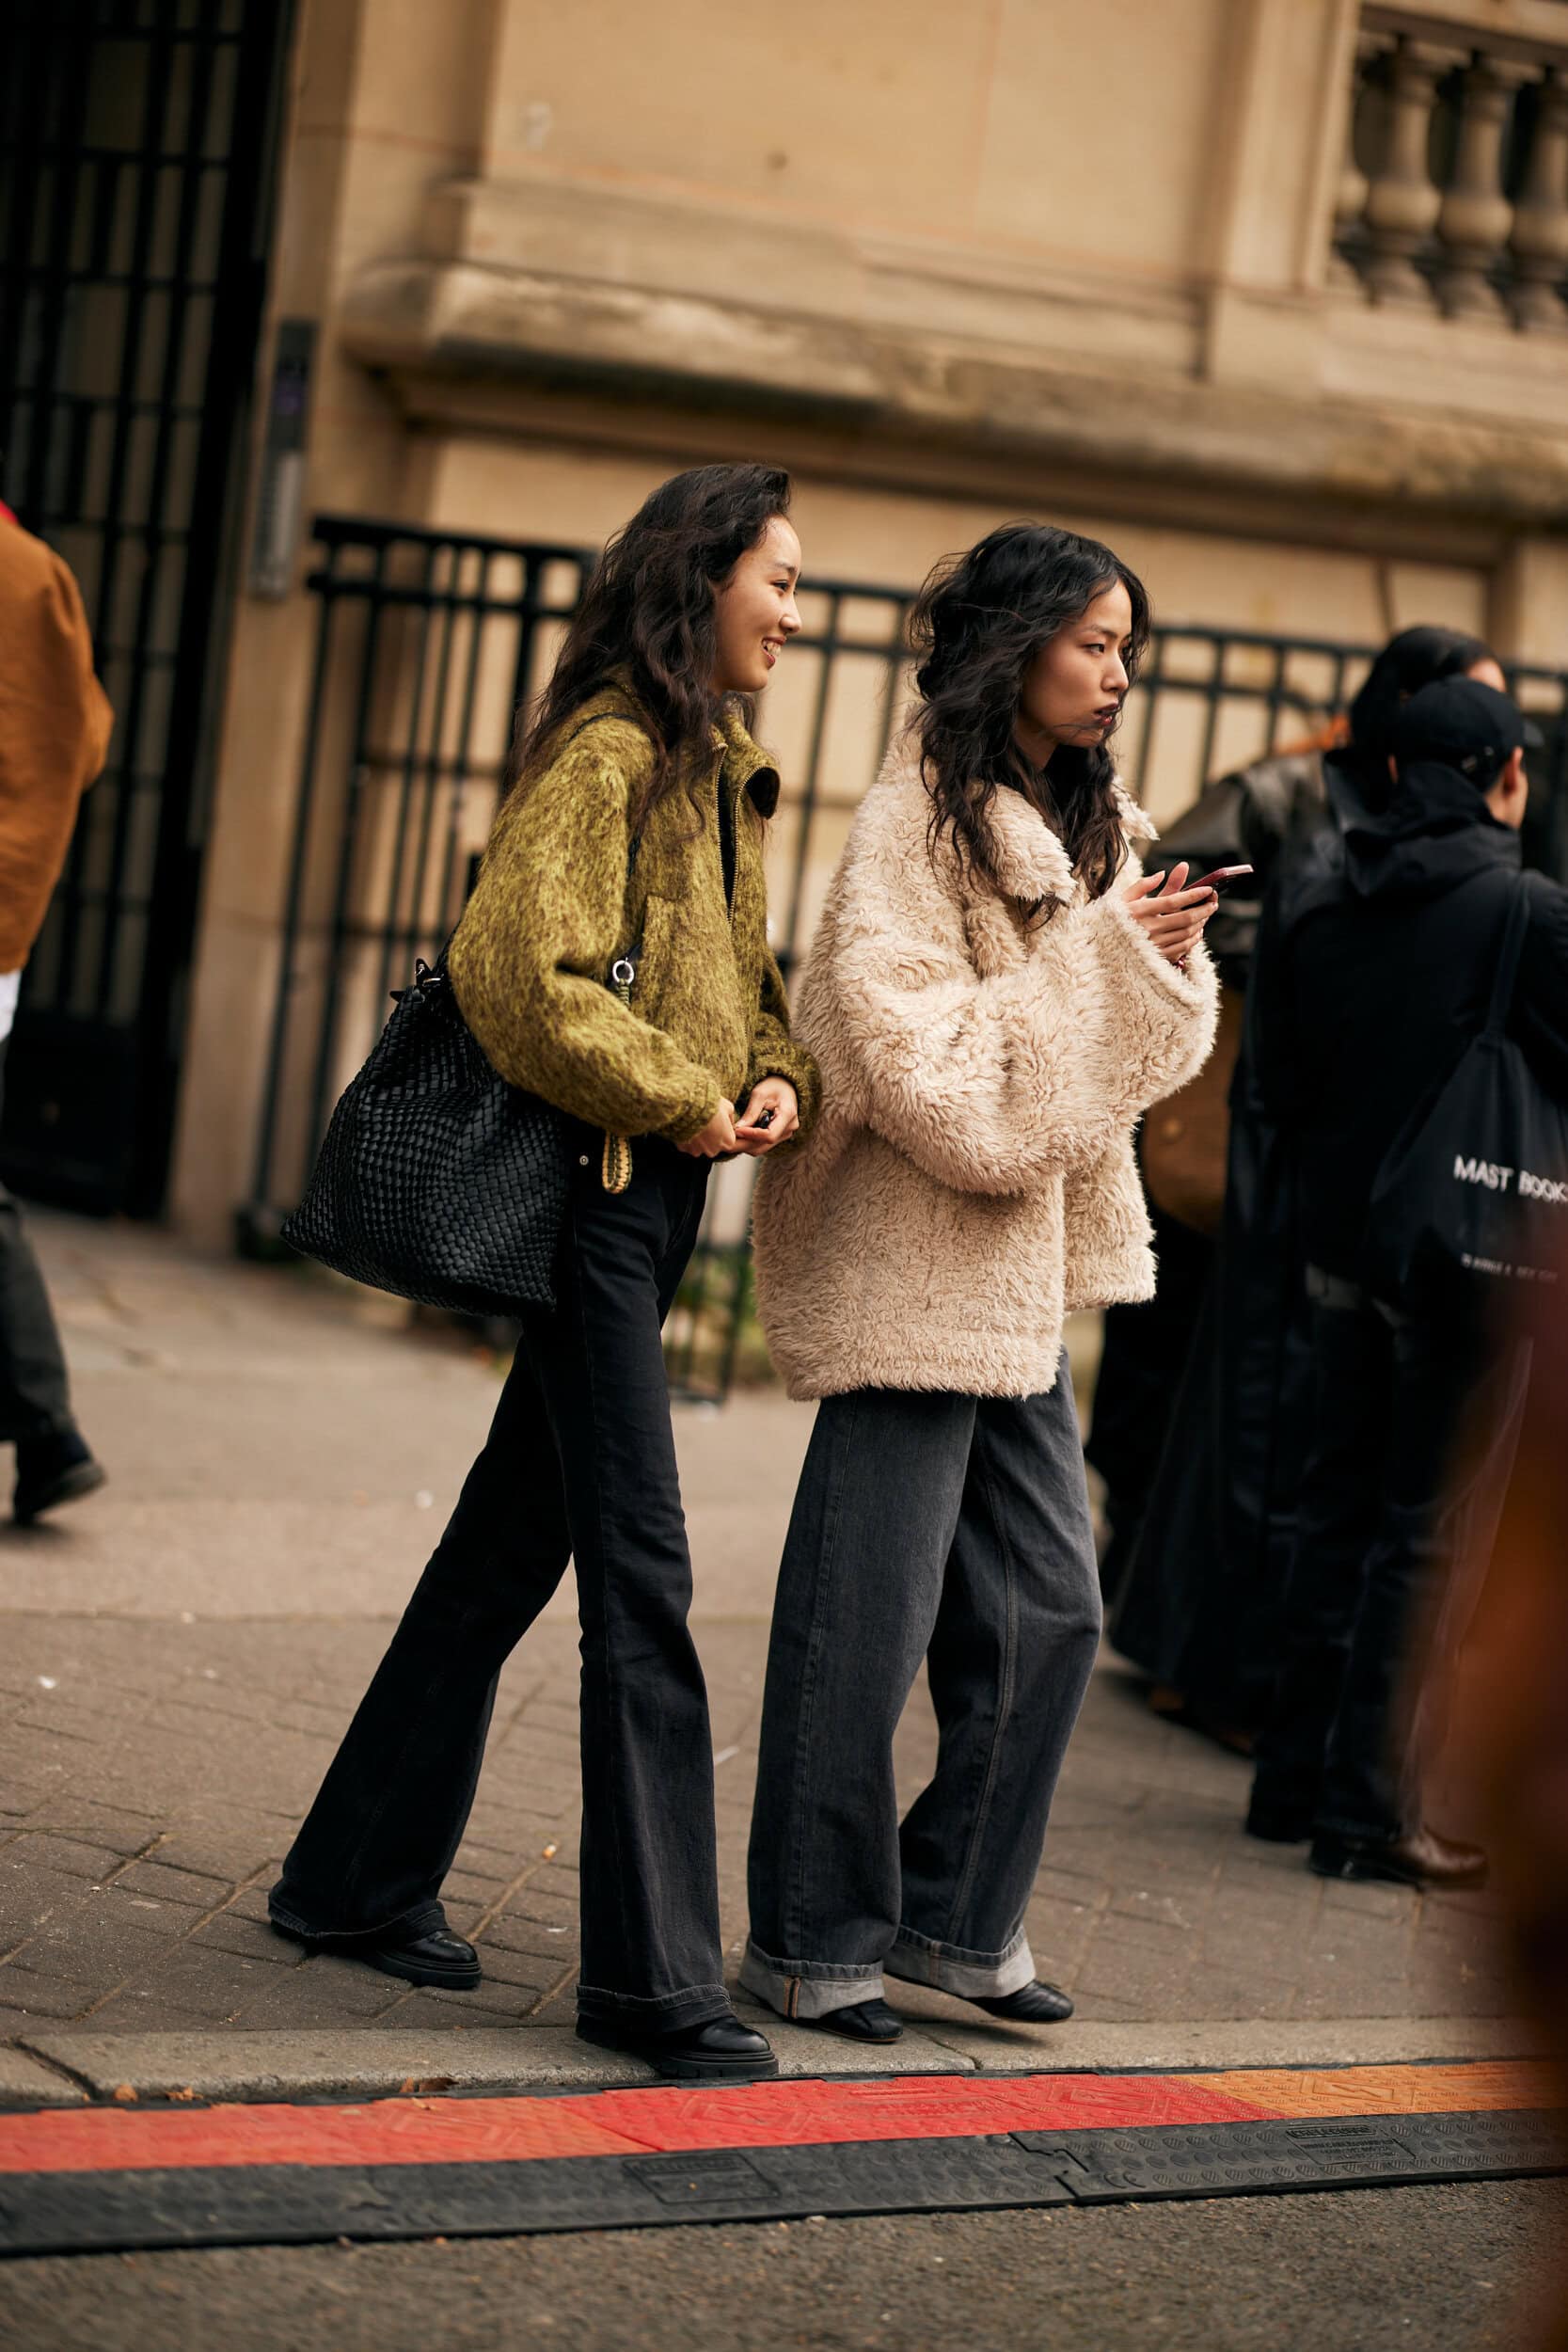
976, 627
648, 612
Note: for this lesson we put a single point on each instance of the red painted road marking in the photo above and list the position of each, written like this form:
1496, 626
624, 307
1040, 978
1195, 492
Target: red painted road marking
389, 2131
779, 2114
801, 2114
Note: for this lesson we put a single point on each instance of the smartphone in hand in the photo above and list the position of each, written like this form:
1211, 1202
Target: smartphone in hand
1221, 879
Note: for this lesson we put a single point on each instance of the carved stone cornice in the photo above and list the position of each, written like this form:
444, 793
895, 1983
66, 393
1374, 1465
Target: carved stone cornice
560, 298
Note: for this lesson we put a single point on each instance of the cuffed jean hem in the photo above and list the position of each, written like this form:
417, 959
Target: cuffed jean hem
973, 1976
426, 1918
656, 2012
804, 1989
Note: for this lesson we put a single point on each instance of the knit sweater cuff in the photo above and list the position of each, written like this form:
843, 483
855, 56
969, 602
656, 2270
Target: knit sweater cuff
692, 1118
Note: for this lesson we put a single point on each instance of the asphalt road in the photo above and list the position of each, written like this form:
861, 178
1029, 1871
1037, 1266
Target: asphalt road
1363, 2271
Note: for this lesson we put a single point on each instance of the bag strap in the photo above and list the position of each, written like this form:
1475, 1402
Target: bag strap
1509, 952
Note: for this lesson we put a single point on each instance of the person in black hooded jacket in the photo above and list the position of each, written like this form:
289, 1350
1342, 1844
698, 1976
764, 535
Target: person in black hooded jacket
1370, 978
1204, 1392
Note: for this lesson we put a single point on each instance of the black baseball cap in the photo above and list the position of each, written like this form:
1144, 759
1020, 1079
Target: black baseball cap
1460, 723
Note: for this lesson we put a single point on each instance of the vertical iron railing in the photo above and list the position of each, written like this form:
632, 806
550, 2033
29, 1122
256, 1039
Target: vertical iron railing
427, 644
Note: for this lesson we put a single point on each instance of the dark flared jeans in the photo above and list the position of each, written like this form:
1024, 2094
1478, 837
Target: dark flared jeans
1385, 1506
580, 1465
953, 1529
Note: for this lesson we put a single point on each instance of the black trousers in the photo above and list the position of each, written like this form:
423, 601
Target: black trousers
580, 1464
35, 1400
1381, 1519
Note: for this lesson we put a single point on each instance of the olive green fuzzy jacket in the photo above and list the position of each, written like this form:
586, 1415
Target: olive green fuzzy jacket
554, 907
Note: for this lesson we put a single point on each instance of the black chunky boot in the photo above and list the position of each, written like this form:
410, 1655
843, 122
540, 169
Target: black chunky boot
722, 2050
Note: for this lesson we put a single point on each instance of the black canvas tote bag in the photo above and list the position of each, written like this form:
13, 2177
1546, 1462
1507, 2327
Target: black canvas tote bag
1472, 1199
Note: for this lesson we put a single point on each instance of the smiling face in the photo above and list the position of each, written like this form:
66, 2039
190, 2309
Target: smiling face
754, 611
1073, 688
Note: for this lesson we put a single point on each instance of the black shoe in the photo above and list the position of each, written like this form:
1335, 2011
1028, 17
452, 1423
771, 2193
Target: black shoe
1034, 2004
52, 1470
862, 2020
1419, 1858
721, 2051
1281, 1824
438, 1958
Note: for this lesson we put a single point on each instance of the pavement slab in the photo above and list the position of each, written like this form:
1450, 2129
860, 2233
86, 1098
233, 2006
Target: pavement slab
1232, 2043
30, 2082
376, 2064
377, 2061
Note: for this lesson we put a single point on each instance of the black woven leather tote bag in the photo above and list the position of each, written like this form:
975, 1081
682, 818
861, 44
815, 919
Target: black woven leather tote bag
436, 1180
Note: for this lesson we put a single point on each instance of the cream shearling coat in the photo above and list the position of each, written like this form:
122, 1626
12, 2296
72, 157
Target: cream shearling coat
971, 1176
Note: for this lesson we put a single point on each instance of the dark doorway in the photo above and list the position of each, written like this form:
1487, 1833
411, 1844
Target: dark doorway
138, 144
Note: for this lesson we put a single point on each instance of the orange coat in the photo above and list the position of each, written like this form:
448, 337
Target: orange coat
55, 723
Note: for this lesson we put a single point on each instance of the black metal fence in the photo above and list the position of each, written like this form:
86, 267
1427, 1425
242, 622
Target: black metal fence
429, 641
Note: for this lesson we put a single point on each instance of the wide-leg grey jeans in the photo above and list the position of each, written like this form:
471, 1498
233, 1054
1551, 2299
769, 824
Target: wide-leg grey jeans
950, 1528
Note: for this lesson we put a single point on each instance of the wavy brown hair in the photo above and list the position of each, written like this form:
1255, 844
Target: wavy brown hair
648, 614
976, 627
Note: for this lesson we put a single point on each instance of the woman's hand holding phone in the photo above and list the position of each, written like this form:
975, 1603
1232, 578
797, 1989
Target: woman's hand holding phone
1172, 913
771, 1116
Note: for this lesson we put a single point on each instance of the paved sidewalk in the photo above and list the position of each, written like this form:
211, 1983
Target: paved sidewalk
179, 1656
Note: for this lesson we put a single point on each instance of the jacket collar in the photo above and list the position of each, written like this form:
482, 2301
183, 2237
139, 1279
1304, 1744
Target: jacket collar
1031, 862
746, 767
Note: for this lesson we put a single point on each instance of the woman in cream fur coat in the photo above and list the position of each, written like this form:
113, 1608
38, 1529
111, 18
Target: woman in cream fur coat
995, 993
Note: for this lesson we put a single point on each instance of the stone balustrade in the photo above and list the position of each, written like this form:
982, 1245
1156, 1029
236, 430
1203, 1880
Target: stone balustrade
1453, 192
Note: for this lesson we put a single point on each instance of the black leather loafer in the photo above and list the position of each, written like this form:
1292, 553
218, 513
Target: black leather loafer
1034, 2004
721, 2051
862, 2021
438, 1958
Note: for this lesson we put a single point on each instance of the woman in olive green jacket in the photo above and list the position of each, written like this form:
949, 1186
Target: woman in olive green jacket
614, 960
